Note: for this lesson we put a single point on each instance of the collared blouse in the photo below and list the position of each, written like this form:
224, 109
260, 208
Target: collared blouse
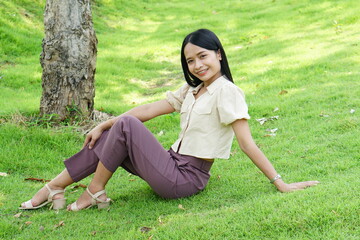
205, 122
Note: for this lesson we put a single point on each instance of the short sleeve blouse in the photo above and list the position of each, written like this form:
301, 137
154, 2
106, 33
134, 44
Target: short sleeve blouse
206, 130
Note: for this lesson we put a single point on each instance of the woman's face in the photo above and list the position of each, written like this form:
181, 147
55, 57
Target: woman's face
203, 63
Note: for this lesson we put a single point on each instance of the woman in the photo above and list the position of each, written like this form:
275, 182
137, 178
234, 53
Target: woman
212, 109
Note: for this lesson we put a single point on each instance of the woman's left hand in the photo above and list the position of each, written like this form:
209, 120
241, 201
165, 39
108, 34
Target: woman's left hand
289, 187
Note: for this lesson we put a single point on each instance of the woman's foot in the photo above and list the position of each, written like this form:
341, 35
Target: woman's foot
47, 194
87, 200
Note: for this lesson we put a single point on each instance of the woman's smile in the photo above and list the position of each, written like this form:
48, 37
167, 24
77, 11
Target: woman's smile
202, 72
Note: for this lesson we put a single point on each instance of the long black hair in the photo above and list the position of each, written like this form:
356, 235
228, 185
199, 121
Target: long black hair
204, 38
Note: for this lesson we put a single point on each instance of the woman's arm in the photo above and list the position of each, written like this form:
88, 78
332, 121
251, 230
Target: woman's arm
143, 113
248, 146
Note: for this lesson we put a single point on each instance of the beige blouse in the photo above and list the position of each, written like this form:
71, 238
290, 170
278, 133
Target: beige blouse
205, 122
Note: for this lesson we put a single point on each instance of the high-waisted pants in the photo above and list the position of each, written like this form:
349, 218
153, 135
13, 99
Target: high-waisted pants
130, 145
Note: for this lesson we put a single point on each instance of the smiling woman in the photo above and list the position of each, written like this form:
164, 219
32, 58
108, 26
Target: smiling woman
212, 109
202, 43
202, 63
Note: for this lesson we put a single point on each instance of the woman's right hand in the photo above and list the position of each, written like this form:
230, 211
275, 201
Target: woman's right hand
92, 137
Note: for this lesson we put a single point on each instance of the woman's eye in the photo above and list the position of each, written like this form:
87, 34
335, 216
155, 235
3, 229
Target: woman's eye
203, 56
189, 61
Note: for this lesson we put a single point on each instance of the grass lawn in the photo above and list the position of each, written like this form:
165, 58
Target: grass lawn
298, 60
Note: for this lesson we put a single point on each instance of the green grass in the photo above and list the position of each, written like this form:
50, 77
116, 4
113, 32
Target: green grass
308, 48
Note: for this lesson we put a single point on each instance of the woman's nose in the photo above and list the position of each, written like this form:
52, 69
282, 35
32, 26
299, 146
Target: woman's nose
198, 64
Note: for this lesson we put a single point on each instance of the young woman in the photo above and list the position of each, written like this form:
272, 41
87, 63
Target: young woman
212, 109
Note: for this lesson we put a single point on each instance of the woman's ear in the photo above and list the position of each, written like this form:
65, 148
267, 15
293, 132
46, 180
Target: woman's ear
218, 53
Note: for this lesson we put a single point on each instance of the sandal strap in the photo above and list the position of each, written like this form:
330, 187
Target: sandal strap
52, 193
95, 197
28, 204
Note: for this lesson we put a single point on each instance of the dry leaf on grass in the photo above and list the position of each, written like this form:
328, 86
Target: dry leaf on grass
270, 135
18, 215
181, 207
145, 229
282, 92
79, 186
3, 174
264, 120
37, 179
60, 224
160, 221
274, 130
352, 111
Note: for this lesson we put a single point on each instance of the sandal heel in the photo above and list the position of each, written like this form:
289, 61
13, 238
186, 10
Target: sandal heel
103, 205
95, 201
59, 204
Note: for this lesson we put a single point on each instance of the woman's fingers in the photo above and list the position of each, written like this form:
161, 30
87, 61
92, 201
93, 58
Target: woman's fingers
86, 141
297, 186
302, 185
92, 143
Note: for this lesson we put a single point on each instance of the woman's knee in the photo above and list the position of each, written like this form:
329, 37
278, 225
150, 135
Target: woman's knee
126, 120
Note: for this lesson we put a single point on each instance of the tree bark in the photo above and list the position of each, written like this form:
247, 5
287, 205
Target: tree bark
68, 59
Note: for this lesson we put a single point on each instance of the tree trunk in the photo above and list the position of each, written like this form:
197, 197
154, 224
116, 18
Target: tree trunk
68, 59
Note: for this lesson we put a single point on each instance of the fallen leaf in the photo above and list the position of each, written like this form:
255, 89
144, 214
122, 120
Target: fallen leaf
264, 120
145, 229
181, 207
60, 224
261, 120
150, 237
2, 174
161, 133
79, 186
41, 228
93, 233
218, 177
270, 135
334, 212
28, 223
274, 130
131, 180
37, 179
282, 92
18, 215
160, 221
276, 109
324, 115
352, 111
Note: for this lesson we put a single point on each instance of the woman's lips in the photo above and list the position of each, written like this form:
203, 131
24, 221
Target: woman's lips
202, 72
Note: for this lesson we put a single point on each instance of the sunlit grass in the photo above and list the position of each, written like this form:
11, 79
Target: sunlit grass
307, 50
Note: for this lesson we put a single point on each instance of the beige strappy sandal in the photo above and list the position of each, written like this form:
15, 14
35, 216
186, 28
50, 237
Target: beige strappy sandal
55, 203
95, 201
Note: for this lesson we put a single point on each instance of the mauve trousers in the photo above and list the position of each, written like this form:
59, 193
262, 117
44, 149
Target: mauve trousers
130, 145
